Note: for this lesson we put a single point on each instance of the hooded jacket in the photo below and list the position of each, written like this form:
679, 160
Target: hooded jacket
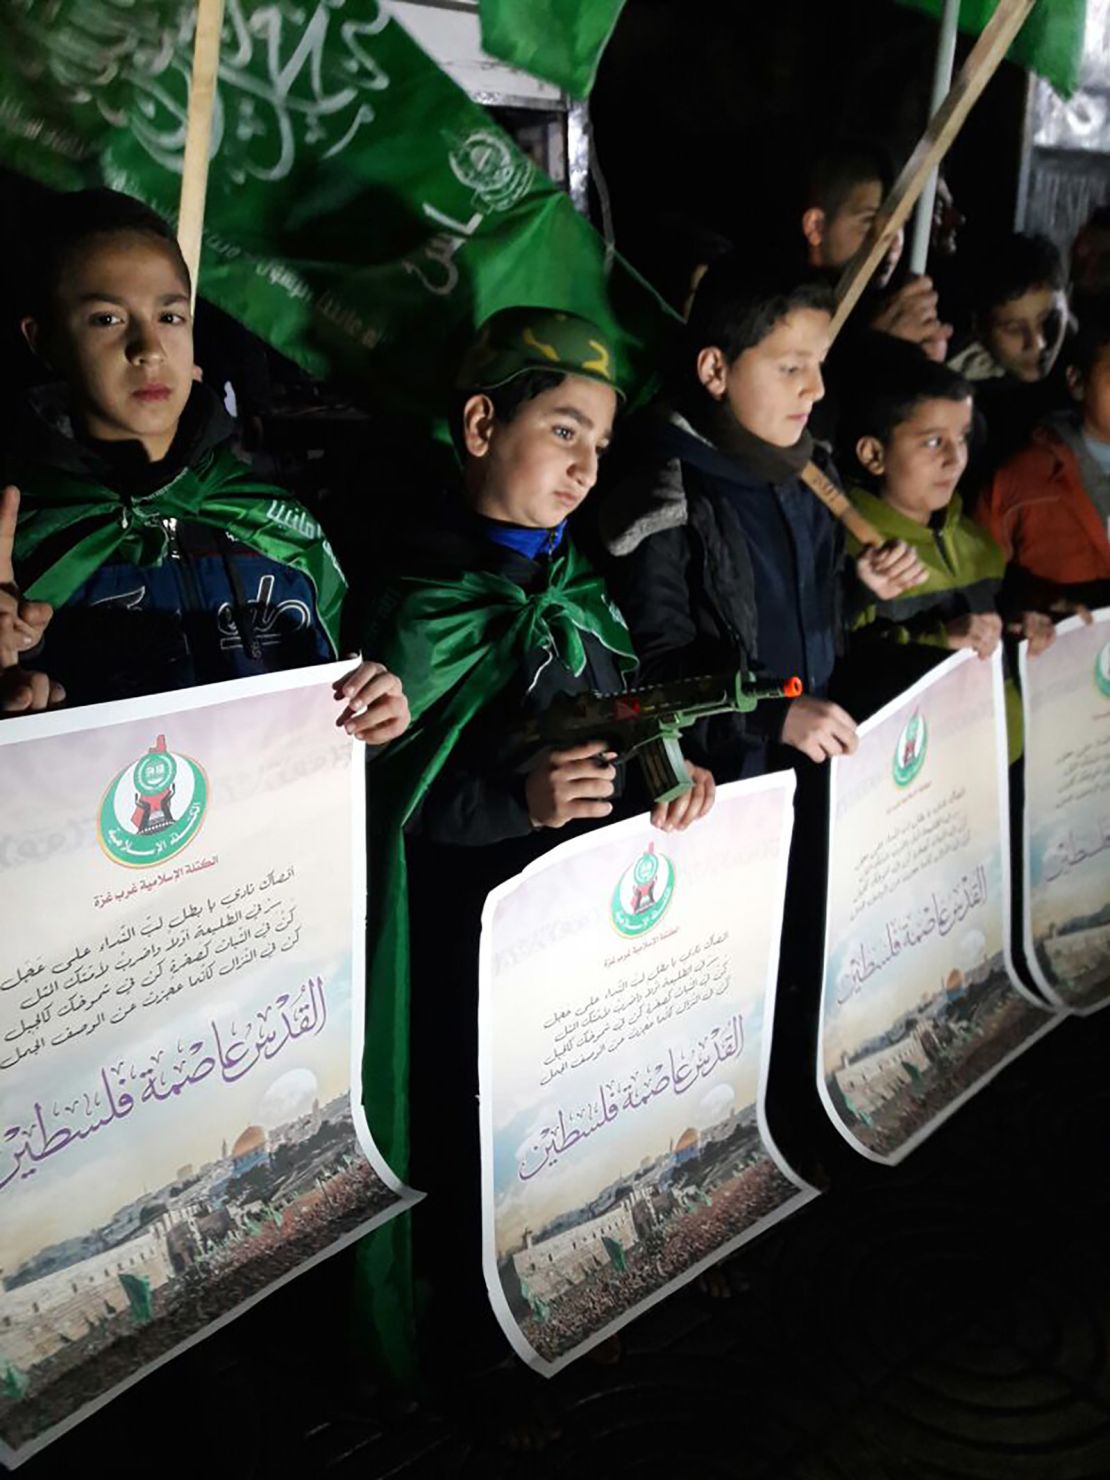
1040, 512
713, 565
176, 601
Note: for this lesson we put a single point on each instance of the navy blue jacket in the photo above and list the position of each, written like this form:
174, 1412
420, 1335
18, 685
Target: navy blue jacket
712, 565
213, 609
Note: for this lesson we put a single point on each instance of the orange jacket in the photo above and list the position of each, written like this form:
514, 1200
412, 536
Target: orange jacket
1038, 510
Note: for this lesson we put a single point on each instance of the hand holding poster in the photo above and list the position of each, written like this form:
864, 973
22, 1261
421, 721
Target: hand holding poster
627, 986
920, 1004
180, 1028
1066, 694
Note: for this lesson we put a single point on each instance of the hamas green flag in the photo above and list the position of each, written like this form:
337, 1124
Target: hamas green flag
558, 40
363, 215
1050, 43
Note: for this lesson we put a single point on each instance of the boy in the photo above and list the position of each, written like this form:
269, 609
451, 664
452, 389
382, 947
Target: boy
720, 552
911, 430
166, 563
491, 613
847, 185
1019, 306
1049, 507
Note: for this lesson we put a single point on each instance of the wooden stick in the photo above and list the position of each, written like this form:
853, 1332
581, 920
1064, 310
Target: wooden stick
977, 71
839, 504
198, 133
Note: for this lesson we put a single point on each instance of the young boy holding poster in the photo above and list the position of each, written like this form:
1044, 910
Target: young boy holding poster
152, 557
492, 612
909, 430
720, 552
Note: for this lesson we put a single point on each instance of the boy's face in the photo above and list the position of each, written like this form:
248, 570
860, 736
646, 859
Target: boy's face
537, 468
772, 387
1095, 390
122, 335
1025, 334
835, 240
924, 458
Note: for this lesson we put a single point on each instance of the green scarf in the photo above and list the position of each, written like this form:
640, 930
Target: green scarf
455, 646
70, 526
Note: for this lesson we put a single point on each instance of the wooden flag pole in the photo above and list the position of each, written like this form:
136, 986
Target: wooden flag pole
977, 71
198, 133
981, 65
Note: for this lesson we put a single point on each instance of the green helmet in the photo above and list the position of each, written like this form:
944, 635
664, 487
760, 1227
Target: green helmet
517, 340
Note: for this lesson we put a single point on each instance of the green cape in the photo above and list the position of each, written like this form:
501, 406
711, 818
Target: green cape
70, 526
455, 646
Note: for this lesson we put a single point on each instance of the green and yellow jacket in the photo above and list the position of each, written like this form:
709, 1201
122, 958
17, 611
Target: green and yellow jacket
964, 568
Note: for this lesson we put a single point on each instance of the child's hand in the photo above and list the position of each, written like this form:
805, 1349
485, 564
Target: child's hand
677, 816
1038, 627
23, 692
981, 631
912, 314
569, 784
377, 710
819, 728
22, 623
1066, 608
890, 569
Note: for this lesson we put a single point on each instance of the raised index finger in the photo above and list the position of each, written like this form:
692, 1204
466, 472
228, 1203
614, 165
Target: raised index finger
9, 516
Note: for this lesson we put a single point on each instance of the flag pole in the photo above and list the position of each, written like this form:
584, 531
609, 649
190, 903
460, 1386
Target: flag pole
942, 81
984, 60
198, 133
945, 124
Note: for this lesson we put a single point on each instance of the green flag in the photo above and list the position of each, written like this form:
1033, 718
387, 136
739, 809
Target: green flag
558, 40
615, 1249
363, 215
1050, 43
137, 1289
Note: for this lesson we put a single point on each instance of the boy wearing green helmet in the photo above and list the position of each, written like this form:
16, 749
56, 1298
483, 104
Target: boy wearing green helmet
490, 613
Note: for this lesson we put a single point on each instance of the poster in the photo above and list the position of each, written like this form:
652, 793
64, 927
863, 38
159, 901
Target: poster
1066, 696
920, 1005
627, 988
182, 886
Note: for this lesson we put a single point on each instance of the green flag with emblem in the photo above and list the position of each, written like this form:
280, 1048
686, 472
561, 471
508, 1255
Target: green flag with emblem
363, 214
558, 40
1050, 43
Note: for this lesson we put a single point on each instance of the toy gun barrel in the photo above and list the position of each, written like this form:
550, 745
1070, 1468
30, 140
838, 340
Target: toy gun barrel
648, 722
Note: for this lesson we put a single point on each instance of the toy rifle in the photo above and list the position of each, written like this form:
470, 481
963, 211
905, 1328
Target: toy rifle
647, 723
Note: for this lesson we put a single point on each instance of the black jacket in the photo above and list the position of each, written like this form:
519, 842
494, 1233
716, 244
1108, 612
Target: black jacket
214, 608
714, 566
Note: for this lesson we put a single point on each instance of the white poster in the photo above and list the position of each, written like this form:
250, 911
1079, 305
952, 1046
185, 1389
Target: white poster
920, 1004
182, 888
627, 991
1066, 697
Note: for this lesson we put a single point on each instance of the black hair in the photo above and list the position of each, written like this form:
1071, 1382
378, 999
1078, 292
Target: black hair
740, 300
507, 399
1093, 335
67, 222
1012, 266
838, 169
895, 378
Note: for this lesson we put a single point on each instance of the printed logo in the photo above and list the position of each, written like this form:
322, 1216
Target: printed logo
153, 809
489, 165
1102, 672
643, 893
909, 753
